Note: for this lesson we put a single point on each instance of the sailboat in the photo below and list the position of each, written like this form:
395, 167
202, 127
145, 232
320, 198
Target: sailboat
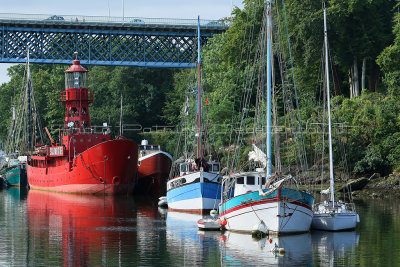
332, 215
264, 202
196, 189
22, 132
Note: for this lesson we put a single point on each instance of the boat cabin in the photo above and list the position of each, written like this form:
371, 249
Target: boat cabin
188, 167
245, 182
146, 149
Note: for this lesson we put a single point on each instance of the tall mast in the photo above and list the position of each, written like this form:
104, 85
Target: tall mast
332, 182
269, 82
199, 152
28, 92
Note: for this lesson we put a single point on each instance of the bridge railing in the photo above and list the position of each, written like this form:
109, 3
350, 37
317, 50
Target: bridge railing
140, 21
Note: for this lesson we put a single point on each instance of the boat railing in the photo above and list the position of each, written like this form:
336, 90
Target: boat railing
76, 95
94, 129
339, 206
87, 130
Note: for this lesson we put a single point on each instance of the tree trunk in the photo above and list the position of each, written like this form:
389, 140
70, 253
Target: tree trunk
364, 67
351, 84
355, 78
336, 81
373, 77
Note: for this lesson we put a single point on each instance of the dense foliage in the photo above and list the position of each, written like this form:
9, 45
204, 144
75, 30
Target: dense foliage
364, 49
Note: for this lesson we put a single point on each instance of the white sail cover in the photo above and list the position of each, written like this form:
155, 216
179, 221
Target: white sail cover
258, 156
326, 191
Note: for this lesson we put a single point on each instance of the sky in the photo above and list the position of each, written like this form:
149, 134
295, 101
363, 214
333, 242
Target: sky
183, 9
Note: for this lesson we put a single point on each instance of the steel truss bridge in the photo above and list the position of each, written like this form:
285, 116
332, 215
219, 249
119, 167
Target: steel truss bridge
113, 41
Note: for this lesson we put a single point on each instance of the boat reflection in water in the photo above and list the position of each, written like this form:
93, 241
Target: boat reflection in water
82, 229
190, 246
17, 193
243, 249
332, 246
150, 231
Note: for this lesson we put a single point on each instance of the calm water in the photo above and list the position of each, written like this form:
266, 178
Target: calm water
50, 229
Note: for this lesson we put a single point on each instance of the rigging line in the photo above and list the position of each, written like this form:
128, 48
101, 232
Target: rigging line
290, 217
236, 86
287, 95
294, 84
252, 208
248, 90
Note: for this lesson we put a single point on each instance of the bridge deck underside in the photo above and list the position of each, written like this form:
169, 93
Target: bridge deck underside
161, 47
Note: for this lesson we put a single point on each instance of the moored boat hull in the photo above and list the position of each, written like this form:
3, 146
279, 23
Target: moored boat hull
17, 176
105, 168
153, 172
199, 194
284, 211
335, 221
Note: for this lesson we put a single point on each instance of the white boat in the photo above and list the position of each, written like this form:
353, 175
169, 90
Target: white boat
209, 224
332, 215
196, 188
264, 202
282, 210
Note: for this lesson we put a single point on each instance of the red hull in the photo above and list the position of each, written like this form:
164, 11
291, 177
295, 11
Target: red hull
153, 172
105, 168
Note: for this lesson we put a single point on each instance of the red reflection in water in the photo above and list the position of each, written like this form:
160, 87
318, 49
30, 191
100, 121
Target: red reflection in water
86, 228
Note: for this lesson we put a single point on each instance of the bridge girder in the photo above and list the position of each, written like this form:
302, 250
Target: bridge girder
165, 46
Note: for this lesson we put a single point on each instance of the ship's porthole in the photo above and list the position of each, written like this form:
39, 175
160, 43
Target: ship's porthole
115, 180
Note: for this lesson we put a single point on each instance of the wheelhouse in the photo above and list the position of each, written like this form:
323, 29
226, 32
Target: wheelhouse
247, 182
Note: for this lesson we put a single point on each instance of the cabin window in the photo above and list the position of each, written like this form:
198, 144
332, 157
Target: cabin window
215, 168
183, 180
262, 180
240, 180
184, 167
250, 180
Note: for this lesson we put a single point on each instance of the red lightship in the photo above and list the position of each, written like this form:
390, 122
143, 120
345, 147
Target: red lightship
85, 162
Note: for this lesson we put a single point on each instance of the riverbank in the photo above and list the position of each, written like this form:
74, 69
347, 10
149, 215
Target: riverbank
380, 187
